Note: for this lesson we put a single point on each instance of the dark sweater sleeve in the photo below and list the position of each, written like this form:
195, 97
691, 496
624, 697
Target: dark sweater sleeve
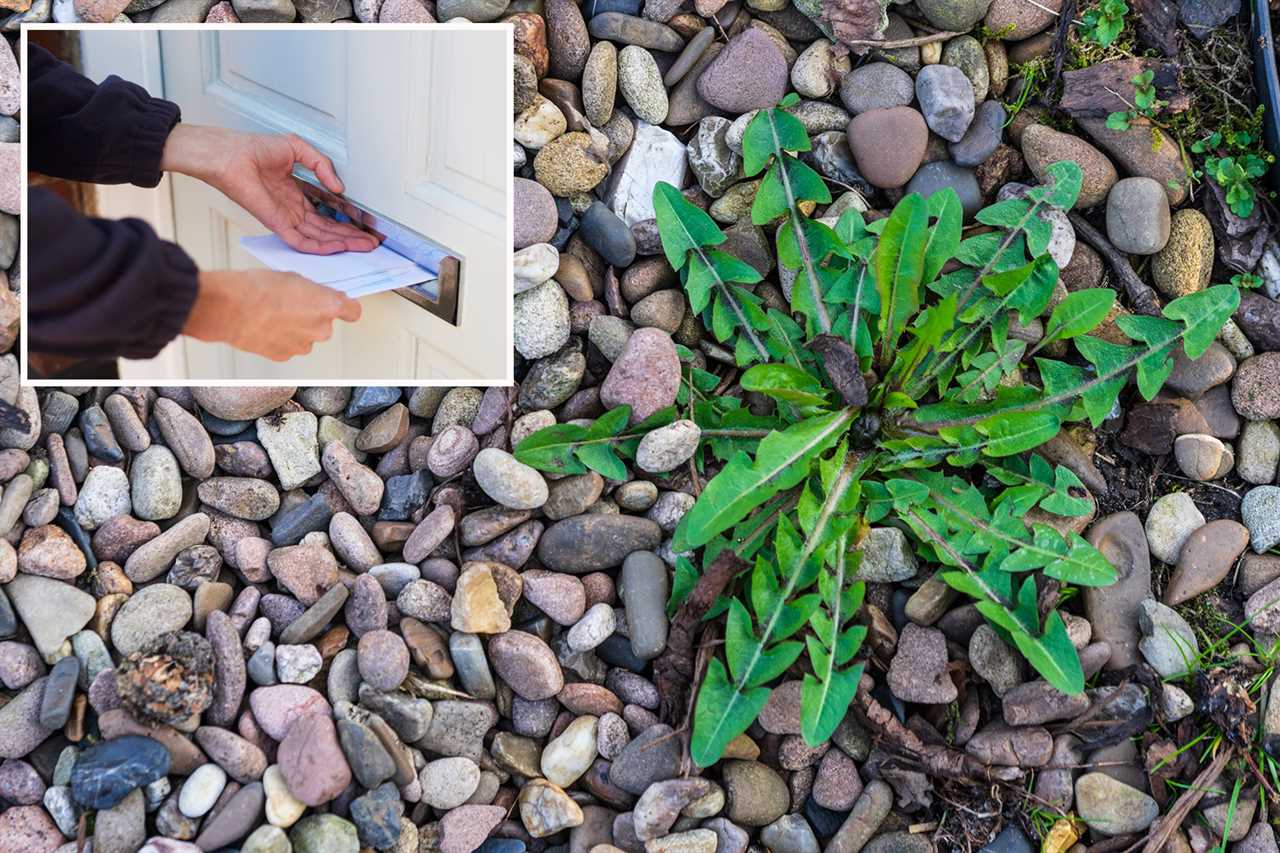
101, 288
108, 133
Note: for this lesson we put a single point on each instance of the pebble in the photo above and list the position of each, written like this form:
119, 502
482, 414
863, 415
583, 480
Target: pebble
546, 809
1138, 219
640, 83
594, 628
106, 773
51, 610
600, 82
311, 760
156, 484
569, 755
201, 790
49, 552
589, 543
1260, 512
1168, 642
1202, 457
569, 164
282, 808
888, 144
651, 756
994, 661
1206, 558
59, 691
946, 99
535, 213
628, 29
755, 793
149, 613
291, 442
1255, 389
605, 232
20, 728
507, 481
465, 828
541, 320
1043, 146
918, 671
1170, 522
668, 447
533, 265
1112, 807
943, 174
297, 664
1261, 609
449, 782
876, 85
749, 73
324, 833
526, 664
644, 583
104, 494
383, 659
1185, 263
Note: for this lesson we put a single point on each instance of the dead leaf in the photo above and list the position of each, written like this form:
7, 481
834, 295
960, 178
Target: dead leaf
841, 364
1241, 241
673, 671
856, 20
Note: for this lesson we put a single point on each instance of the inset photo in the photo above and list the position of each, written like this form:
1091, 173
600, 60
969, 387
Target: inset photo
312, 203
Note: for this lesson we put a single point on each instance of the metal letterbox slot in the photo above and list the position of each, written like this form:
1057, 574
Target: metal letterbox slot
440, 297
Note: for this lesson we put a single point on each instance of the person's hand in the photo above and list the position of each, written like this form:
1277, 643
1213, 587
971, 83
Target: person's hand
278, 315
253, 170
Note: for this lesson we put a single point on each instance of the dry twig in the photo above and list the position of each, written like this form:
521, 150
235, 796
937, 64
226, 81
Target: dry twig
896, 43
1141, 296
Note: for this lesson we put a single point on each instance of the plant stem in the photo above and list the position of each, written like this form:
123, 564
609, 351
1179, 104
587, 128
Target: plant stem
843, 482
1062, 396
802, 242
934, 369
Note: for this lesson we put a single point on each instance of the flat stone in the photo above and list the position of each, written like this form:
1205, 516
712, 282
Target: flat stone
589, 543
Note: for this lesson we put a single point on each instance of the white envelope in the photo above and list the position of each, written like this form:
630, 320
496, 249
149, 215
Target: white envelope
354, 273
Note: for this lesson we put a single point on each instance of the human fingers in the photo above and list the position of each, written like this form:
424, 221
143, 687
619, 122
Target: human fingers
349, 310
352, 237
322, 166
312, 240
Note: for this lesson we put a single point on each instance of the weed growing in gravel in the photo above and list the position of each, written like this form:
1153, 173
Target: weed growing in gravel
902, 401
1103, 22
1234, 160
1145, 103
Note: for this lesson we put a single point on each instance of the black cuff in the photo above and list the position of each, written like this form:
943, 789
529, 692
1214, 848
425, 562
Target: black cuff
156, 121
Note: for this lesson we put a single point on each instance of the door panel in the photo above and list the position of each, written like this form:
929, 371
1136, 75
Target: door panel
417, 127
244, 76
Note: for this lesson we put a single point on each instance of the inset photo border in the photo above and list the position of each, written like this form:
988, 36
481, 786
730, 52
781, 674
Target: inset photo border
167, 238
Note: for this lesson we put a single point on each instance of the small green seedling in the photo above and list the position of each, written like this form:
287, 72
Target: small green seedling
1103, 23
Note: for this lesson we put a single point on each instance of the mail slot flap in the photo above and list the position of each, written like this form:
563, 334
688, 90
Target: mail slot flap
440, 296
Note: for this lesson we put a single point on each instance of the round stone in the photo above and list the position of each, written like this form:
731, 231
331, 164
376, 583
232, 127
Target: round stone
888, 144
507, 481
1138, 218
640, 83
875, 86
750, 73
534, 213
540, 320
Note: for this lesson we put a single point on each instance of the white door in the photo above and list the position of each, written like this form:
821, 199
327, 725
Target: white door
417, 127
